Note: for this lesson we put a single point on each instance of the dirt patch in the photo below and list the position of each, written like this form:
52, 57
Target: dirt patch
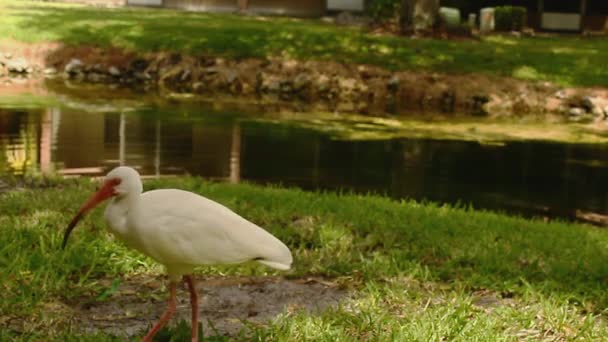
225, 302
490, 300
36, 53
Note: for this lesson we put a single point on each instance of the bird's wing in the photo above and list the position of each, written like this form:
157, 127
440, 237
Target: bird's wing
181, 227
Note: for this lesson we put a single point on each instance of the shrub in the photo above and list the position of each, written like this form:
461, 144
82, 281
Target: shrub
508, 18
381, 10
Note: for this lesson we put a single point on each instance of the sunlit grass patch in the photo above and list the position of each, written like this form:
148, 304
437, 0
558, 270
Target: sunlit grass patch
404, 309
527, 73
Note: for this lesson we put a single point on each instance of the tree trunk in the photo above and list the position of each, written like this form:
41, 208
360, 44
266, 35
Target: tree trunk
243, 5
418, 15
406, 17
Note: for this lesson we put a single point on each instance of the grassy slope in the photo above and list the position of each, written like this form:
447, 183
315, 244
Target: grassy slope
567, 60
415, 268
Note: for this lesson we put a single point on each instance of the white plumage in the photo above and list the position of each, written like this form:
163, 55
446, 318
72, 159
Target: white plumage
181, 230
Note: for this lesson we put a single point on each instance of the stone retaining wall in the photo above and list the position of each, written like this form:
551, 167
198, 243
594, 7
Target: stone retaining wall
316, 85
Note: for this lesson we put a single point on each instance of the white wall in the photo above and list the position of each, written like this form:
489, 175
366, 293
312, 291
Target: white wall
345, 5
561, 21
145, 2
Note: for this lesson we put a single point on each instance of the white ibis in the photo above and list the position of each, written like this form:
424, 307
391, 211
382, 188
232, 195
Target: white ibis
180, 230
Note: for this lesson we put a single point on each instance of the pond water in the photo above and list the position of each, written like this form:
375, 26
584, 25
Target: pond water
529, 178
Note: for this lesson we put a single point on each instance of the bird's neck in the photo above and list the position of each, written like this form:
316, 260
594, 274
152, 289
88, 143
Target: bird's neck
119, 208
125, 203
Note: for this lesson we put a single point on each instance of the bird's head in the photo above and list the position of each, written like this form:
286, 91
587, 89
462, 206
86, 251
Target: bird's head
119, 182
124, 180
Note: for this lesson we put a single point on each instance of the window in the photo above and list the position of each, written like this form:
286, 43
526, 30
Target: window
597, 7
531, 5
565, 6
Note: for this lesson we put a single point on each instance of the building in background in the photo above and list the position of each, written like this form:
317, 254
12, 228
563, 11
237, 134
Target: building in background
308, 8
550, 15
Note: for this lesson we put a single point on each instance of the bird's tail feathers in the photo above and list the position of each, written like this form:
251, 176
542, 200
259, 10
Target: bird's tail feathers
275, 264
281, 258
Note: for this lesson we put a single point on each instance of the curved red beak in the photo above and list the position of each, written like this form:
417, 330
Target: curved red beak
106, 191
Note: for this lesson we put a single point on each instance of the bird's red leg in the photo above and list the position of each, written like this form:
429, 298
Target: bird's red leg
166, 316
194, 303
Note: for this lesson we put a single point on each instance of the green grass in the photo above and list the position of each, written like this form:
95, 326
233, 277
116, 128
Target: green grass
568, 60
416, 271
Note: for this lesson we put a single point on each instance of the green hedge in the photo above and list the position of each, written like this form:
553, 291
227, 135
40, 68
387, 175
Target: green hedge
508, 18
381, 10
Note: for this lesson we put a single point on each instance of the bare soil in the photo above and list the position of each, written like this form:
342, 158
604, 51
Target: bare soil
226, 303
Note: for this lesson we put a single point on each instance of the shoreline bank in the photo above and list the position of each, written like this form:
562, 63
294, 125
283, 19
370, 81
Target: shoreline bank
310, 85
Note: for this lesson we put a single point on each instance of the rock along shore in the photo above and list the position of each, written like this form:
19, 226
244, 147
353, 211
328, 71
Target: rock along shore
314, 85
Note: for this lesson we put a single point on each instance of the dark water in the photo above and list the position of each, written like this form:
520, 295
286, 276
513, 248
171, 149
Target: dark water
529, 178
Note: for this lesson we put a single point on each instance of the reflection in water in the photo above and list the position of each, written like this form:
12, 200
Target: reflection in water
524, 177
235, 154
19, 140
157, 150
123, 140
